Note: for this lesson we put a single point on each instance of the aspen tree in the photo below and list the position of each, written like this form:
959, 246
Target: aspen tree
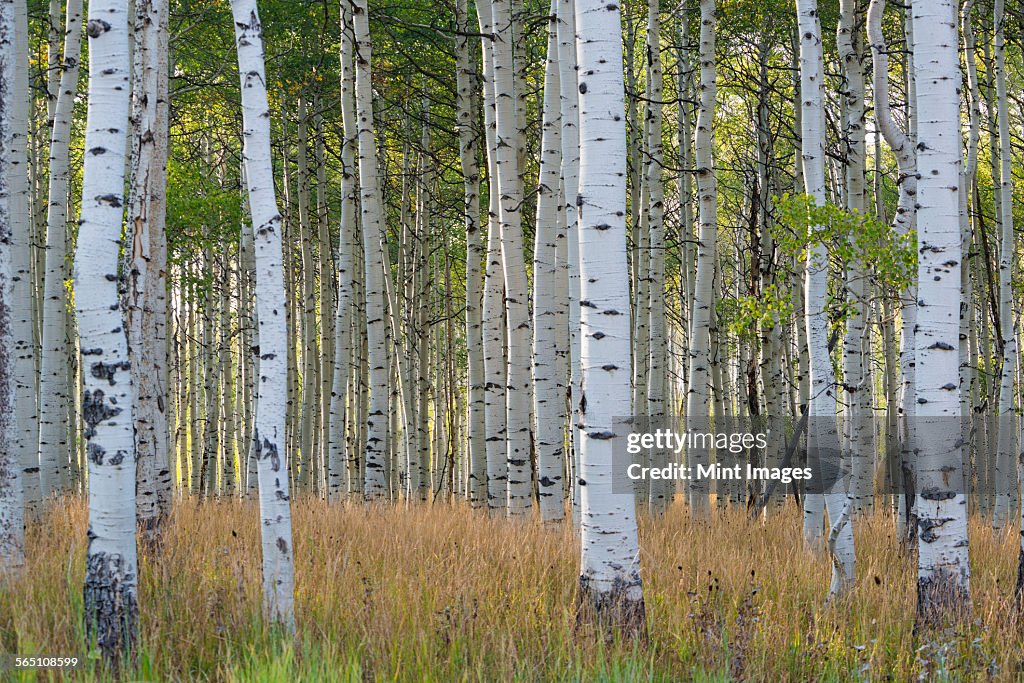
26, 348
549, 388
904, 221
609, 575
269, 433
53, 368
968, 327
12, 505
569, 98
111, 575
372, 222
345, 309
1005, 415
943, 583
518, 397
310, 364
494, 321
968, 376
823, 438
466, 83
326, 263
856, 378
146, 266
655, 263
702, 361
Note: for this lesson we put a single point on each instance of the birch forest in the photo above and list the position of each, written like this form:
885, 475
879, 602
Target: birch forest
511, 340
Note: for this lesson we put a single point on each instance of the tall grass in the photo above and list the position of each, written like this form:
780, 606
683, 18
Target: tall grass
445, 593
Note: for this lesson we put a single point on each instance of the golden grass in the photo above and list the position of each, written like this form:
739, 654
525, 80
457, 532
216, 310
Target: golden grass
445, 593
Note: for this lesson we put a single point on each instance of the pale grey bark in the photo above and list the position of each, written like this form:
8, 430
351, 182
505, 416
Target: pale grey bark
275, 504
146, 264
494, 341
654, 400
549, 387
23, 296
372, 221
1006, 415
823, 437
53, 372
12, 505
507, 141
856, 378
337, 457
569, 92
466, 97
702, 362
943, 583
609, 574
111, 577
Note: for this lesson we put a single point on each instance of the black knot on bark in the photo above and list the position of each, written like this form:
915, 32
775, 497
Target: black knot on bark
96, 28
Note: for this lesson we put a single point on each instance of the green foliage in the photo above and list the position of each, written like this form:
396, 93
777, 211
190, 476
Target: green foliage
746, 315
850, 237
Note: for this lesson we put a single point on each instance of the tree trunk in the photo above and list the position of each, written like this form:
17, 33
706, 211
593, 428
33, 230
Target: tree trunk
26, 349
372, 221
856, 378
1006, 415
519, 387
610, 585
569, 95
466, 114
110, 592
12, 504
549, 387
53, 373
943, 577
337, 458
146, 267
660, 495
275, 506
494, 342
702, 361
822, 436
903, 222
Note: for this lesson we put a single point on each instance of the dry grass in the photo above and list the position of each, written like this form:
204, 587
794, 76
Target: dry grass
445, 593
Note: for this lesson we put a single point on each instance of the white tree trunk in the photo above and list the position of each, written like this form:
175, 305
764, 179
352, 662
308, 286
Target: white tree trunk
943, 570
111, 579
466, 83
660, 494
494, 337
269, 433
12, 505
146, 264
610, 564
337, 446
26, 348
702, 361
1006, 416
519, 386
53, 372
310, 366
569, 95
968, 378
903, 222
823, 436
856, 378
549, 387
372, 222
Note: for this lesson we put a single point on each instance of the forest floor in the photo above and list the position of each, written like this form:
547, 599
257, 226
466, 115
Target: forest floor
444, 593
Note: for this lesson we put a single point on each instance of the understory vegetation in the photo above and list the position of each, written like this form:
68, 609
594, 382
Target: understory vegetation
443, 593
